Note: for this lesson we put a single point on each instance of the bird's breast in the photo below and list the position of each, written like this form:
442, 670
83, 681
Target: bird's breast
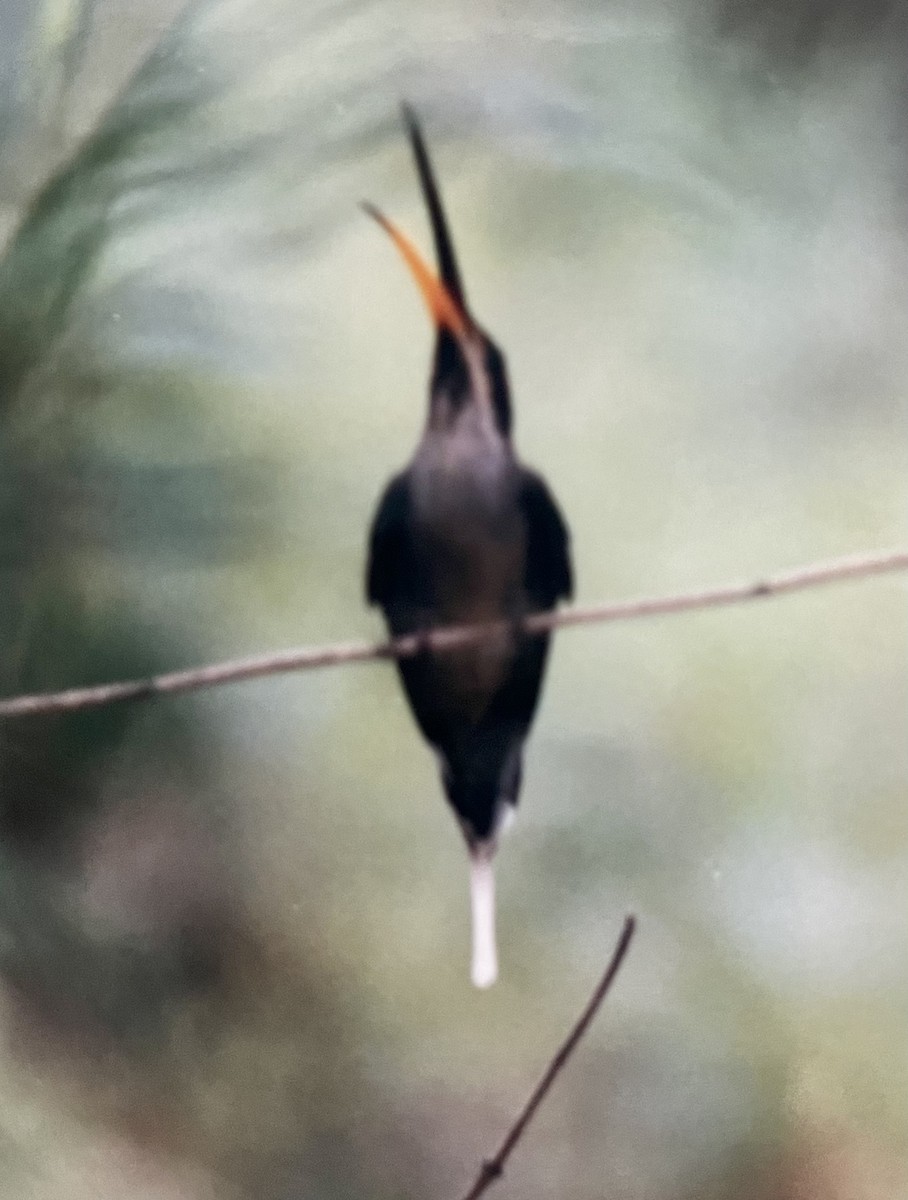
470, 532
471, 540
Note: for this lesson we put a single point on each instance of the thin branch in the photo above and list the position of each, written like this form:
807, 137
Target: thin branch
308, 658
493, 1168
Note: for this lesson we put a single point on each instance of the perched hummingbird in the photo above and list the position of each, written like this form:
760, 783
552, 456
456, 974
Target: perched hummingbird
467, 534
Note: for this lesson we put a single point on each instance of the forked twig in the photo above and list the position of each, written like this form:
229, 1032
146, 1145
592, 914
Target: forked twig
493, 1168
308, 658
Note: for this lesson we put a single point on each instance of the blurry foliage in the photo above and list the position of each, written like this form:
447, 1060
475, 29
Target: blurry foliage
74, 513
792, 35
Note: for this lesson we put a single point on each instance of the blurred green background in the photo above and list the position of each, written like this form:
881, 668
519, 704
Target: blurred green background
233, 926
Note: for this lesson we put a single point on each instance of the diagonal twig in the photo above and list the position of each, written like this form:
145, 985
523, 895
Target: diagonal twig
493, 1168
308, 658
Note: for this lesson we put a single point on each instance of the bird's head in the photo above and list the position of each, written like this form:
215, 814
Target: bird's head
469, 370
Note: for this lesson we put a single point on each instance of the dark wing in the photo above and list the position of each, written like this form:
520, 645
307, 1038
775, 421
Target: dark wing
549, 577
390, 565
486, 767
394, 580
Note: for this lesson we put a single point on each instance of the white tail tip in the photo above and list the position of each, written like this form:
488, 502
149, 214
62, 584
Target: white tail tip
484, 968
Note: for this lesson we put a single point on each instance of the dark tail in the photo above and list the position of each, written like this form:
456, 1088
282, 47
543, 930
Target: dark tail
444, 249
479, 779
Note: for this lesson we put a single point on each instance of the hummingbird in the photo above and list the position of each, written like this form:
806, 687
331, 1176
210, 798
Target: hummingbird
467, 534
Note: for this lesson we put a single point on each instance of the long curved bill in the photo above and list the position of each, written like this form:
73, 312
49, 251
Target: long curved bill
443, 307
